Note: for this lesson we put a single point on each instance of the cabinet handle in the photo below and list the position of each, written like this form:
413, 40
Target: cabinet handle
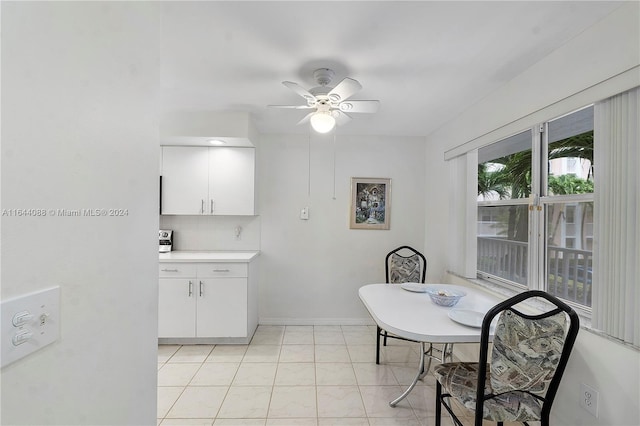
220, 270
212, 206
201, 292
169, 270
202, 207
190, 288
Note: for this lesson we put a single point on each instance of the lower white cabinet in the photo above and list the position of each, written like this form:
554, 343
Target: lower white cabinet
212, 302
176, 308
221, 309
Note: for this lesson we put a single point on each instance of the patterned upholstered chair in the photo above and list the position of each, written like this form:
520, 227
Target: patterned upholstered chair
529, 355
402, 265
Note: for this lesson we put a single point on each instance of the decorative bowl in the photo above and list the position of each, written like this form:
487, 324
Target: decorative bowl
445, 296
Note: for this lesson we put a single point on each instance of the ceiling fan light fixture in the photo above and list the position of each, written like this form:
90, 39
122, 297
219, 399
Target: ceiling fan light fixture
329, 101
323, 122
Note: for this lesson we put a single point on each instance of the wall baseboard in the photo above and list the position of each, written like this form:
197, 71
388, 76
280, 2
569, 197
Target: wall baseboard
316, 321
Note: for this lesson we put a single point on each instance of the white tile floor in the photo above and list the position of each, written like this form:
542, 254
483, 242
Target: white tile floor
294, 375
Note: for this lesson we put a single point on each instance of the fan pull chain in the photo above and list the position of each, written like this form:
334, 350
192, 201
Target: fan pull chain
334, 163
309, 164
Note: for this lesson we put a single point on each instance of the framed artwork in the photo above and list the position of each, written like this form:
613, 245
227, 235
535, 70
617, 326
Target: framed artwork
370, 203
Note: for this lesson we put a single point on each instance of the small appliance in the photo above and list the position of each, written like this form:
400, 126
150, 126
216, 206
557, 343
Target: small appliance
166, 240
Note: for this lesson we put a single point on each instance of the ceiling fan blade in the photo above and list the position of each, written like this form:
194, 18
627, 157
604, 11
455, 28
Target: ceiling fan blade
299, 90
291, 106
344, 90
360, 106
305, 119
341, 117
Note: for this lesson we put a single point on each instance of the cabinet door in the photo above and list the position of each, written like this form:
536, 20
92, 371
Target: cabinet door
177, 307
222, 307
185, 180
231, 181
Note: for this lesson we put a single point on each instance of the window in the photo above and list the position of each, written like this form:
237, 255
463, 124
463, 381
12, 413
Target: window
504, 185
570, 214
535, 208
567, 199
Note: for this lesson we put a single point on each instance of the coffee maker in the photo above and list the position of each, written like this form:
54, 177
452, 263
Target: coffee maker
166, 240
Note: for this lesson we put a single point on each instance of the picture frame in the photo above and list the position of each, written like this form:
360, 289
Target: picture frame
370, 203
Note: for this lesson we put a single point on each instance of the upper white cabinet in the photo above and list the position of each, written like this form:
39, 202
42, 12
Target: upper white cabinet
208, 181
185, 180
232, 181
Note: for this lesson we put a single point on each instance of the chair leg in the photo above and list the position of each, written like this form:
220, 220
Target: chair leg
478, 417
385, 338
438, 403
378, 345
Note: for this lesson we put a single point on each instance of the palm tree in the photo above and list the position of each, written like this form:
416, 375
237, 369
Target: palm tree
512, 179
490, 182
578, 146
569, 184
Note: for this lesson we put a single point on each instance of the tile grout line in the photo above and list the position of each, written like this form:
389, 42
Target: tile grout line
315, 376
215, 417
181, 392
273, 384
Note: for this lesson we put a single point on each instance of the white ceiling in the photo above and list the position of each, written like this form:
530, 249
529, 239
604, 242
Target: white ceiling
425, 61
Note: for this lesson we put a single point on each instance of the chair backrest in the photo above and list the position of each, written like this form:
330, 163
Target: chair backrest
530, 352
405, 265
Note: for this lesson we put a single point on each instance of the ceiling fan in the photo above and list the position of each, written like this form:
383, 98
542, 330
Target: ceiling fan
331, 104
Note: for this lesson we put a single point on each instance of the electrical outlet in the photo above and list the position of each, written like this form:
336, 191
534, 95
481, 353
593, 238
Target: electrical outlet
589, 399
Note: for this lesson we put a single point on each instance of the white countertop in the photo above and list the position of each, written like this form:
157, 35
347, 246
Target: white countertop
208, 256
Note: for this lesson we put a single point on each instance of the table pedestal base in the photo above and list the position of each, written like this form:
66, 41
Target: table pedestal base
446, 352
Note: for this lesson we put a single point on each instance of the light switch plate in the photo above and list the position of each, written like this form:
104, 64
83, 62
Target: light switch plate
29, 323
304, 213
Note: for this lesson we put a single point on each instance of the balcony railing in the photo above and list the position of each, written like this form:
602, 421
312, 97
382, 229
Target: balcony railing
503, 258
569, 271
570, 274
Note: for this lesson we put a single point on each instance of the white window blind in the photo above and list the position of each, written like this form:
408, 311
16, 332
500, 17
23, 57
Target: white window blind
521, 141
463, 185
616, 268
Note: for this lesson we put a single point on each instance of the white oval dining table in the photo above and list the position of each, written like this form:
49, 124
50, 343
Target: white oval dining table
412, 315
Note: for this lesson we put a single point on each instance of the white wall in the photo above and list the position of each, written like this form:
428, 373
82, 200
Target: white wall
437, 213
613, 370
607, 49
79, 86
311, 270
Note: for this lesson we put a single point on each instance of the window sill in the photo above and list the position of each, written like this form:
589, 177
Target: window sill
505, 291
